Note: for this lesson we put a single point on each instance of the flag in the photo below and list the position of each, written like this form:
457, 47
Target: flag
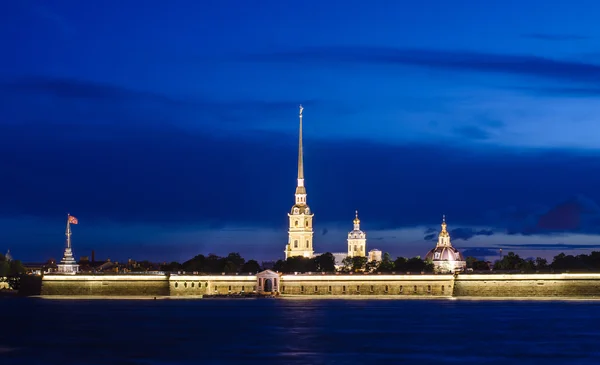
72, 220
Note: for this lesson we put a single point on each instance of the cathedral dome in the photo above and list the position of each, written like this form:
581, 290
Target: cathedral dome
441, 253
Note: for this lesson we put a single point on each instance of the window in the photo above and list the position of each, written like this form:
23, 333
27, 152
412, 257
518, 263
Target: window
415, 289
443, 288
429, 288
358, 288
372, 288
296, 223
386, 288
192, 285
254, 288
354, 247
330, 288
185, 285
436, 256
176, 285
316, 289
361, 248
307, 244
283, 288
401, 289
215, 288
295, 243
229, 287
344, 288
302, 288
243, 288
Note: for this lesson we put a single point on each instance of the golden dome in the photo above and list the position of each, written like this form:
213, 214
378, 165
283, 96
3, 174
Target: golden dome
356, 220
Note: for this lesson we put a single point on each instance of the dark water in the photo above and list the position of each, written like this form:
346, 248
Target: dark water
273, 331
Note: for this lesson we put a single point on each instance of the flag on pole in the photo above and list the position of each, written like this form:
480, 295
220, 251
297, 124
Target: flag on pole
72, 220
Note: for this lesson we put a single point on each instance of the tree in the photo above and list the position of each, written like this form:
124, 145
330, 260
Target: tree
470, 260
541, 263
372, 266
400, 264
195, 264
324, 262
171, 267
15, 271
359, 263
386, 265
347, 264
251, 266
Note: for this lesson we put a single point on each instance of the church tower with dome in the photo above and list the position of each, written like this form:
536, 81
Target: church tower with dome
445, 258
357, 240
300, 232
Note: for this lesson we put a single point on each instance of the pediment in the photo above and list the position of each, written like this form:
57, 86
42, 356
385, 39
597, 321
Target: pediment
267, 274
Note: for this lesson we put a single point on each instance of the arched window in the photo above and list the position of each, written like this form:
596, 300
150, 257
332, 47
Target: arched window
296, 223
295, 243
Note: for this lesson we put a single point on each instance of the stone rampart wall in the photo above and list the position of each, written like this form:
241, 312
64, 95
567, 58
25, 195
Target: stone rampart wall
492, 285
105, 285
532, 285
198, 285
395, 285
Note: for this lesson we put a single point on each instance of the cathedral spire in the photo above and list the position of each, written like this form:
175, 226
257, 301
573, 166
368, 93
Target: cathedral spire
300, 189
300, 154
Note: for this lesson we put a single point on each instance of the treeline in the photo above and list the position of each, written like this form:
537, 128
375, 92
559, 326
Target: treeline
232, 263
235, 263
560, 263
11, 271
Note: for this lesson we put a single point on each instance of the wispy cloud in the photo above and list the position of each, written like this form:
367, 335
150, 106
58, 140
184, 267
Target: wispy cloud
459, 60
555, 37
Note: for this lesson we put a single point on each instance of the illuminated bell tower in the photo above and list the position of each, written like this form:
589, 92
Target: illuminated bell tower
357, 240
300, 232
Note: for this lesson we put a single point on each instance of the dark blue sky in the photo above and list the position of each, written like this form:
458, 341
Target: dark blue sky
169, 128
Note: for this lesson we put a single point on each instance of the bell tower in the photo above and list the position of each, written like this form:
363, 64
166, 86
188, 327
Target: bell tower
357, 240
300, 232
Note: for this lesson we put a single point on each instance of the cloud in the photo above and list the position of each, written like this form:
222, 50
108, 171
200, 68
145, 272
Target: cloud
574, 92
555, 37
576, 214
548, 246
107, 159
479, 252
459, 60
472, 132
461, 233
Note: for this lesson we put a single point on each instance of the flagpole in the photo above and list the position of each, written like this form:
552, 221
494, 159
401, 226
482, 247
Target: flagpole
68, 232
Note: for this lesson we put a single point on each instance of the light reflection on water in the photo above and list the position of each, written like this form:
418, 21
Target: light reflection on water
38, 331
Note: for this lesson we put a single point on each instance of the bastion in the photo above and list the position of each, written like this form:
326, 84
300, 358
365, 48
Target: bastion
528, 285
105, 285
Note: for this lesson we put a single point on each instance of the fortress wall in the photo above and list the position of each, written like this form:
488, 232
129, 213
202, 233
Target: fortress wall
397, 285
197, 285
528, 285
105, 285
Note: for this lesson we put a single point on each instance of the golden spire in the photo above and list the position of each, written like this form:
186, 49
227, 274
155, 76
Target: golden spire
300, 157
356, 220
300, 189
444, 232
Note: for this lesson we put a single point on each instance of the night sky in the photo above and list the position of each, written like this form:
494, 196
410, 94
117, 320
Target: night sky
169, 128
